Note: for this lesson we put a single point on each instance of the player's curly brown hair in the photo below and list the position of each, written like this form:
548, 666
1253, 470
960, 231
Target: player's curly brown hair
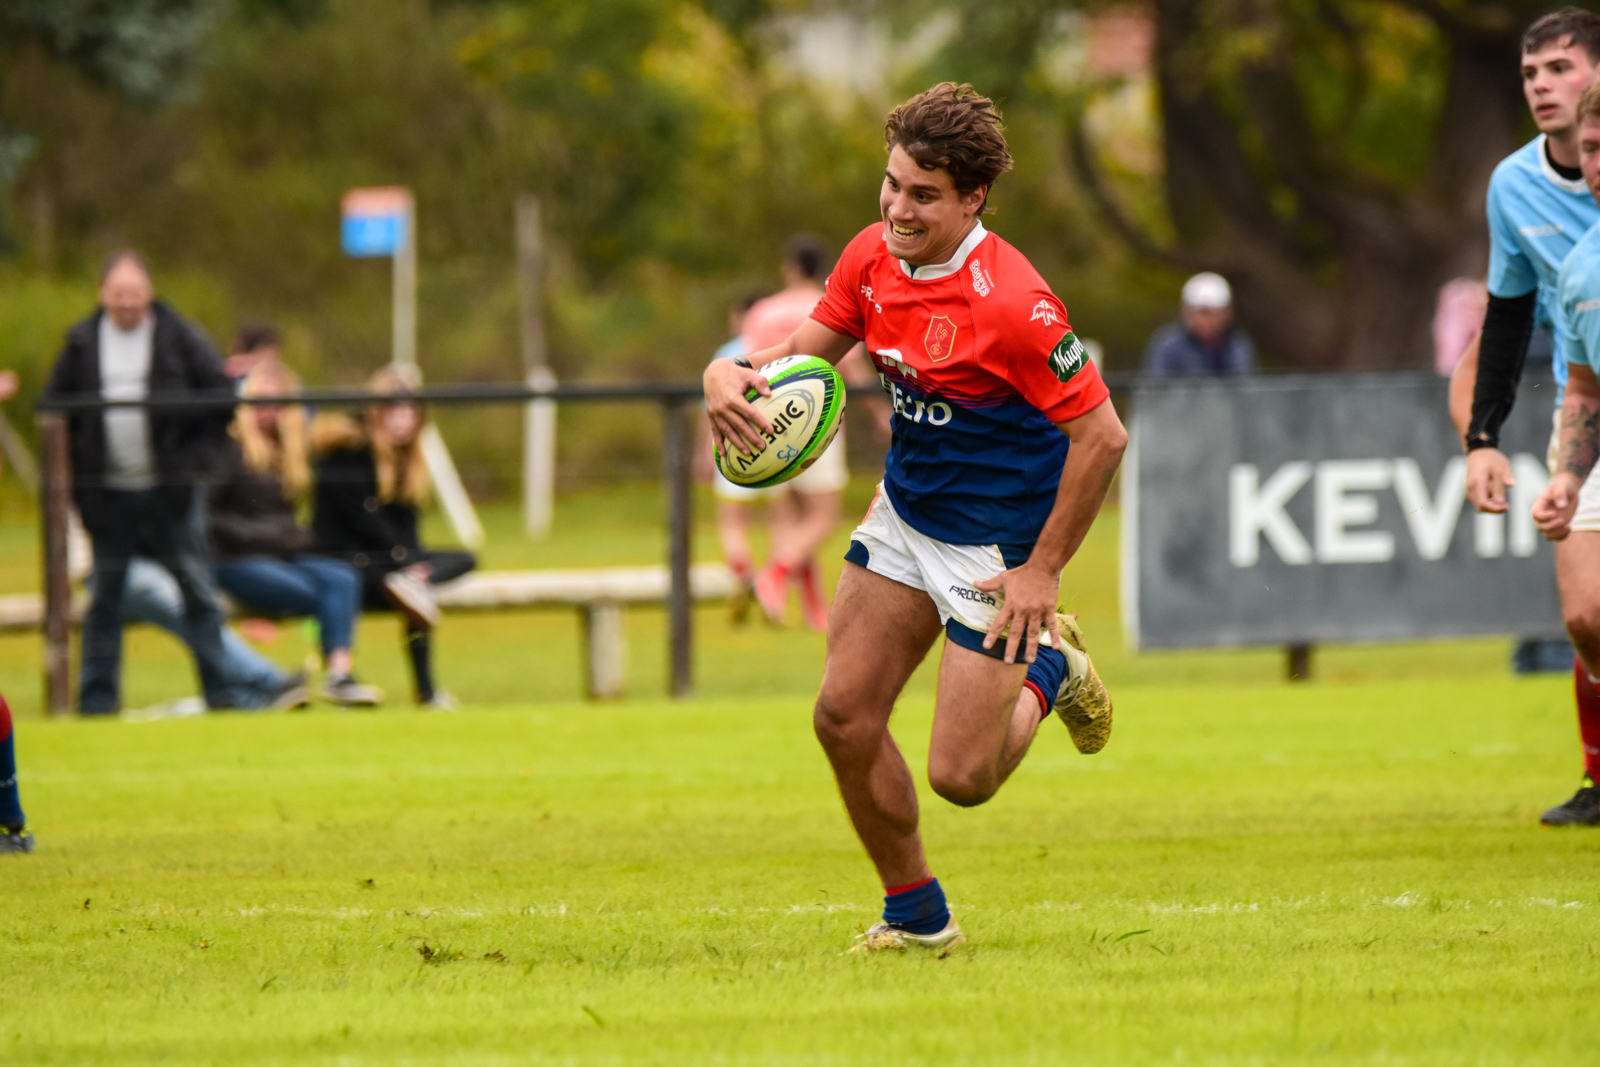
956, 128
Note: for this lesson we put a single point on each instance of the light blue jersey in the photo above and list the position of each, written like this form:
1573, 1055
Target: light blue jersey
1535, 218
1578, 306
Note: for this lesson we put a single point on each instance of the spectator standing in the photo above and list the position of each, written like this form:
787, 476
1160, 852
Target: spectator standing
1204, 341
263, 560
134, 470
370, 484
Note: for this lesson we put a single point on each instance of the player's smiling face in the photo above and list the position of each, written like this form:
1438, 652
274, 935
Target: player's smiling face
924, 218
1589, 153
1552, 80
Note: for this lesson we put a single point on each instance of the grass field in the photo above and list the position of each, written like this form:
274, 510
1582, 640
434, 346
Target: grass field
1347, 871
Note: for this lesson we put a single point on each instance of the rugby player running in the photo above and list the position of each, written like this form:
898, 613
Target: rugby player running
983, 502
1538, 208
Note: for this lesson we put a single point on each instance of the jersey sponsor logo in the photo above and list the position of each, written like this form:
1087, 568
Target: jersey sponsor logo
1592, 304
1068, 357
909, 407
980, 279
866, 291
1547, 230
1046, 313
940, 339
893, 357
974, 595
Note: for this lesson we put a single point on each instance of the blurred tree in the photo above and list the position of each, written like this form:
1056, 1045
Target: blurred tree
1329, 156
145, 51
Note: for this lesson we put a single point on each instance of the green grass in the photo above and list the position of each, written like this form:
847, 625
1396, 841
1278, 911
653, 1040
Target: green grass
1347, 871
1339, 873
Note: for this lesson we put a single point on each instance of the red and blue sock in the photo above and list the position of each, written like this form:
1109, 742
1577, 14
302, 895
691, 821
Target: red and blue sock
1046, 674
10, 805
918, 908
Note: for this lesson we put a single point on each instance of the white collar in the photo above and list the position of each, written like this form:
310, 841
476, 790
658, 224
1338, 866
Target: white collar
1571, 185
929, 272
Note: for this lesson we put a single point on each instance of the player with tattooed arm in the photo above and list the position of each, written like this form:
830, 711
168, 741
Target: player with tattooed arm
1538, 207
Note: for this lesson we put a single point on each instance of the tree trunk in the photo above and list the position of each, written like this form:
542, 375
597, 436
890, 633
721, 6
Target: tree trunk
1332, 266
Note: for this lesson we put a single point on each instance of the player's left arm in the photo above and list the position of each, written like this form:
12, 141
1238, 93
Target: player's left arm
1579, 449
1031, 590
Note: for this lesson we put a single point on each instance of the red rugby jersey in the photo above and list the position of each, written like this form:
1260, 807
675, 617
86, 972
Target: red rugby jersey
980, 363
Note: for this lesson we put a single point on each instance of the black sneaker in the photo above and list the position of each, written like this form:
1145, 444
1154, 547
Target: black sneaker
1582, 810
17, 840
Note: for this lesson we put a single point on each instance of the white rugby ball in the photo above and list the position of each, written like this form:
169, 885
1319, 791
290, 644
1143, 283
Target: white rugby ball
805, 409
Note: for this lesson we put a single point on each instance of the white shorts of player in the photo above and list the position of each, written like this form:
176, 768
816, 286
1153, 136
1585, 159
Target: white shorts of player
829, 474
1587, 518
947, 573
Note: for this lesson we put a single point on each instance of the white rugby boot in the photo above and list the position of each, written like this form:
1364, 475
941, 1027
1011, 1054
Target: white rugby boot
882, 937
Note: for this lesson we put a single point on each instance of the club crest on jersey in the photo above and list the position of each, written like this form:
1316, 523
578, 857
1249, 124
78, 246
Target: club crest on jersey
1046, 313
941, 338
1068, 356
980, 279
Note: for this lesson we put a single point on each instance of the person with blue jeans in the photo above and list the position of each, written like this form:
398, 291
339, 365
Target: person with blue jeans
254, 682
257, 476
134, 469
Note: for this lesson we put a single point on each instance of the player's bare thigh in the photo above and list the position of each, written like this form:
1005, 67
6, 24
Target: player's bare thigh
879, 632
1578, 578
971, 717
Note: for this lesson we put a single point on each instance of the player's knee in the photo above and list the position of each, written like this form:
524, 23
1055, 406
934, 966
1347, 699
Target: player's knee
1583, 625
965, 787
836, 728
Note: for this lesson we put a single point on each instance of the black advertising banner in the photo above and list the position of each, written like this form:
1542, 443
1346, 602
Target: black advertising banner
1311, 508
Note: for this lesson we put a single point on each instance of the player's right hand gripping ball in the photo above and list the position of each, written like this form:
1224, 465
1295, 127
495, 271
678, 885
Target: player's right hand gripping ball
805, 409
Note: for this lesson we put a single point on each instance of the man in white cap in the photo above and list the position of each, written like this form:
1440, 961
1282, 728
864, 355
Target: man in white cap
1204, 341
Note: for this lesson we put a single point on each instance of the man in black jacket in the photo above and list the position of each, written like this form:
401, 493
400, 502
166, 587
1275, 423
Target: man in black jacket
134, 469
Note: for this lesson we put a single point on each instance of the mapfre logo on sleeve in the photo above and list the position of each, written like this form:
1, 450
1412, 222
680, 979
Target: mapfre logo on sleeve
1045, 312
980, 279
1068, 357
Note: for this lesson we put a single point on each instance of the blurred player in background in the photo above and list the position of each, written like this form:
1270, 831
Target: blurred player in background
802, 512
1538, 206
733, 511
983, 502
14, 835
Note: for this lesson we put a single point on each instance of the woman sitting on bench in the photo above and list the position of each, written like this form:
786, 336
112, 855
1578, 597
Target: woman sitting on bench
371, 480
262, 554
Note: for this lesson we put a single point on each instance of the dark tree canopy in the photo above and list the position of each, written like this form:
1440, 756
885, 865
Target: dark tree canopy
1328, 156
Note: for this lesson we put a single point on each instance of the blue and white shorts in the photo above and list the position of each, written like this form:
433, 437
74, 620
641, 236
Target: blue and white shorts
886, 544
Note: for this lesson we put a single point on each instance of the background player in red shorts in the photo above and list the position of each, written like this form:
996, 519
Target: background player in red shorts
983, 501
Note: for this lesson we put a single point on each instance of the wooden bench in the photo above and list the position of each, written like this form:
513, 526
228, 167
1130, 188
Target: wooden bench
601, 596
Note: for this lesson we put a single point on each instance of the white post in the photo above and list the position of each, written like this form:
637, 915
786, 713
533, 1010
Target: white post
405, 288
442, 472
539, 419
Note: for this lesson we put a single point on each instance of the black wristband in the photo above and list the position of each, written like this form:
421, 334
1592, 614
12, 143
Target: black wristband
743, 361
1482, 440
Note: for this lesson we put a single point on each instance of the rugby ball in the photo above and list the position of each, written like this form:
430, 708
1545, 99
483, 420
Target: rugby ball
805, 409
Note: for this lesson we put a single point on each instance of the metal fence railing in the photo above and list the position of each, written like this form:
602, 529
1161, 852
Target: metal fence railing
676, 399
